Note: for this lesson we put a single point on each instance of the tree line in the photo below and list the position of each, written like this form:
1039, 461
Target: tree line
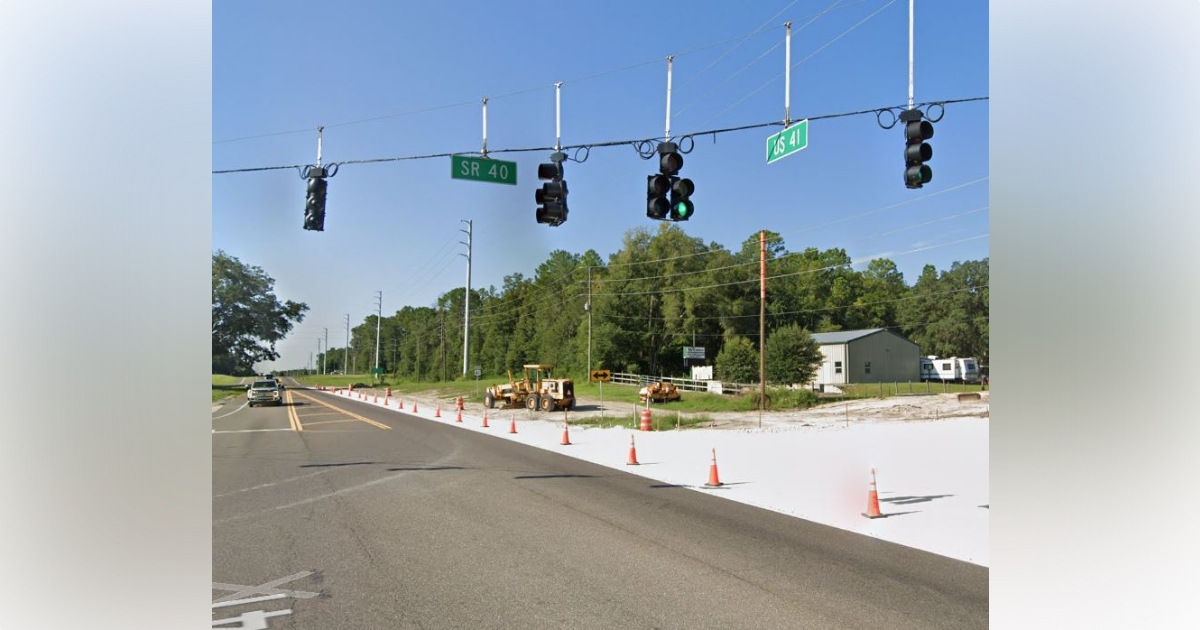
664, 290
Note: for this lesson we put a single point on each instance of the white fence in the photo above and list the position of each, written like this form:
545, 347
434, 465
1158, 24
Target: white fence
686, 384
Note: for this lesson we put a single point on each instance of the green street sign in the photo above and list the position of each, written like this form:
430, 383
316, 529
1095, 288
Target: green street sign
483, 169
377, 371
787, 142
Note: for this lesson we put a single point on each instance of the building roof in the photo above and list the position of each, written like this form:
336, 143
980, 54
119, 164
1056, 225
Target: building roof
843, 336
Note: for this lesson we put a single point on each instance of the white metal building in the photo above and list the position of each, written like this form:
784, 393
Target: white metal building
876, 355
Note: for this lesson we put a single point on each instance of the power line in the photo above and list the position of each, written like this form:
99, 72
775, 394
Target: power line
593, 145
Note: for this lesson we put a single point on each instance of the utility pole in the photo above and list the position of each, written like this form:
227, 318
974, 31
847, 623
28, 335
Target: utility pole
325, 357
346, 361
588, 307
762, 324
467, 297
378, 319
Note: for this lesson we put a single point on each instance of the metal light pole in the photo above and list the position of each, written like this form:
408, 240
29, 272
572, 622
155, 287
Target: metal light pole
325, 357
467, 298
378, 319
346, 361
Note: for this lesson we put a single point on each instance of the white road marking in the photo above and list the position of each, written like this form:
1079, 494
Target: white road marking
253, 620
264, 589
232, 412
249, 430
239, 602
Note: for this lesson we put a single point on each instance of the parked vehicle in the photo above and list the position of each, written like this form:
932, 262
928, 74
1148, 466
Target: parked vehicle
950, 369
265, 392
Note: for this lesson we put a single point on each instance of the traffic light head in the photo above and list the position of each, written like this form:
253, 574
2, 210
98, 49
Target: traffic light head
314, 205
657, 188
669, 159
681, 206
552, 196
916, 150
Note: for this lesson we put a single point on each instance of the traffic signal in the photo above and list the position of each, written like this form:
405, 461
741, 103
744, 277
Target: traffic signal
678, 207
657, 187
552, 196
916, 150
314, 207
681, 207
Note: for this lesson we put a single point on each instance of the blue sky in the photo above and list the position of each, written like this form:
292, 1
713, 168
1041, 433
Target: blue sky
400, 79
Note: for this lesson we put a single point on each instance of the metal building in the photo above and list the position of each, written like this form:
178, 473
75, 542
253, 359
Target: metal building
876, 355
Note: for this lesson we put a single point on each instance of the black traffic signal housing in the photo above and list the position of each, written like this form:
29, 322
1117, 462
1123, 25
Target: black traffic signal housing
916, 151
314, 205
552, 196
678, 206
681, 206
657, 188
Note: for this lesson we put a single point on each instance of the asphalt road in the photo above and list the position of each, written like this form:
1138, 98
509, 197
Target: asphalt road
367, 518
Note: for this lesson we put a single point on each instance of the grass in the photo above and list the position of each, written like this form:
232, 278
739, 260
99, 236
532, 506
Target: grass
224, 386
691, 403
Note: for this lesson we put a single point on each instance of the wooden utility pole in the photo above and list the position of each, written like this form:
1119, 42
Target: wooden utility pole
762, 324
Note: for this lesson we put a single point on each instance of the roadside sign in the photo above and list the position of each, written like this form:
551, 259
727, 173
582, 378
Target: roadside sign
693, 352
483, 169
787, 142
478, 372
377, 371
601, 376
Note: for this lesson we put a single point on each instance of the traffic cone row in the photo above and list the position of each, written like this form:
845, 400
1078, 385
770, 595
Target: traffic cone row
714, 479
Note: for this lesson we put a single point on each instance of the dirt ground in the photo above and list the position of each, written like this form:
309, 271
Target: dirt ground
911, 408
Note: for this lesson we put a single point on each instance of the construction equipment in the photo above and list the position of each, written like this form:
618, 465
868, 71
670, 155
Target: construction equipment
659, 392
535, 390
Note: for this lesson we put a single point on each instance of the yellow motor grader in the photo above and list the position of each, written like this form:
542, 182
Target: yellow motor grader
535, 390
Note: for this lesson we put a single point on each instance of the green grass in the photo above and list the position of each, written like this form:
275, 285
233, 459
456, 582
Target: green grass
692, 403
224, 386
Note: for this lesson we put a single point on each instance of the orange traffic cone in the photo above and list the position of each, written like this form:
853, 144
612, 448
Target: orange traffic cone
632, 454
400, 404
713, 480
512, 426
459, 419
873, 500
485, 424
376, 399
566, 440
414, 406
437, 413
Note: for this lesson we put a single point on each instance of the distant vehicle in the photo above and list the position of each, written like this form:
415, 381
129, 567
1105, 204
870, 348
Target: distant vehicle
265, 392
949, 369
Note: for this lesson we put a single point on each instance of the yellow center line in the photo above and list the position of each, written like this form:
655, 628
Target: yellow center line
313, 424
292, 417
348, 413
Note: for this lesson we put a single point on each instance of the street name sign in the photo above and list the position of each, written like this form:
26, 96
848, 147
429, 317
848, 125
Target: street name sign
483, 170
787, 142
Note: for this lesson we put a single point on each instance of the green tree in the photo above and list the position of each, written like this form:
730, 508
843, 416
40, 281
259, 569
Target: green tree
792, 355
738, 361
247, 318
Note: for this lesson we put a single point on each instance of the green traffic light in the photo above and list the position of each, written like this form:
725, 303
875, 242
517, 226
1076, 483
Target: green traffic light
682, 209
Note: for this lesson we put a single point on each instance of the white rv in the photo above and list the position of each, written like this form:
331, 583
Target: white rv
949, 369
